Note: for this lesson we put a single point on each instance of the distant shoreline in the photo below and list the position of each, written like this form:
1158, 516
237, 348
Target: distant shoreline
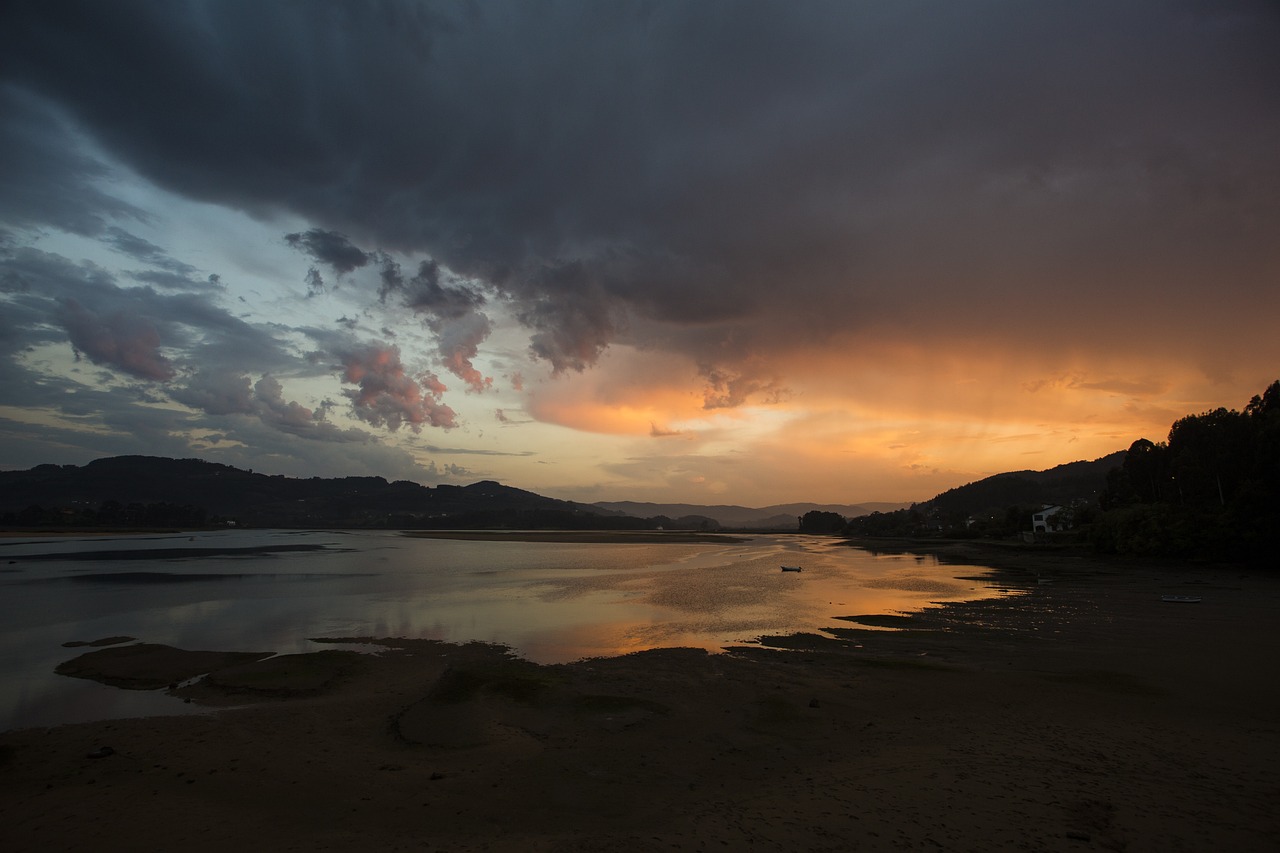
638, 537
568, 536
67, 533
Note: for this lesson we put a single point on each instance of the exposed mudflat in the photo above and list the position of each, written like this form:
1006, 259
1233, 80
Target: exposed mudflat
1081, 714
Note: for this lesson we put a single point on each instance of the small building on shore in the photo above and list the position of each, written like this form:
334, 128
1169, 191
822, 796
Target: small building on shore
1044, 521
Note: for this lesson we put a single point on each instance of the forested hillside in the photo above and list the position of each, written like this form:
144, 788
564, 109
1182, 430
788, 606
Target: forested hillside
1211, 490
1001, 505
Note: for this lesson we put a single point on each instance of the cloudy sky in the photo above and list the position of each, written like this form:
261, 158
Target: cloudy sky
713, 252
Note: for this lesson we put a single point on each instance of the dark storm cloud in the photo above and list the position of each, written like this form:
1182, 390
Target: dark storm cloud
424, 291
149, 253
38, 285
218, 393
180, 347
450, 311
709, 173
46, 176
137, 330
243, 443
167, 271
329, 248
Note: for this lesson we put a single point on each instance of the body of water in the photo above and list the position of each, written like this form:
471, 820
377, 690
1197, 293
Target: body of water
551, 603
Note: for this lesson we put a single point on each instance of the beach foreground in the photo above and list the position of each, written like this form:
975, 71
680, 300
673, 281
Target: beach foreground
1084, 713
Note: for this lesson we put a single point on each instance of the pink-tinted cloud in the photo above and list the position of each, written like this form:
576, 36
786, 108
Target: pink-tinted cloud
387, 396
450, 309
127, 342
459, 342
433, 384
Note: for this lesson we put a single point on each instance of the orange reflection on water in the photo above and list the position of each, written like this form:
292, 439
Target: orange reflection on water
726, 599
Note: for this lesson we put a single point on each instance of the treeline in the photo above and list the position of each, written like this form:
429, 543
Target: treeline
1211, 490
995, 522
817, 521
999, 506
109, 514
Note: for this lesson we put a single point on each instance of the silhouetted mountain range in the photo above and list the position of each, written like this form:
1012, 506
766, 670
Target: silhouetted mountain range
156, 491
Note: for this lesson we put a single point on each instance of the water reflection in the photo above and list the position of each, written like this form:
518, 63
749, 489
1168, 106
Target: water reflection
551, 602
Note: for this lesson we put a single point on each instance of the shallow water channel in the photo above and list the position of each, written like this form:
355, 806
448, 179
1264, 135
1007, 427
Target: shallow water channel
551, 603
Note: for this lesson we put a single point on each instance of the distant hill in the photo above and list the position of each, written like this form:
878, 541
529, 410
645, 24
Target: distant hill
1000, 505
155, 491
775, 517
1060, 485
147, 490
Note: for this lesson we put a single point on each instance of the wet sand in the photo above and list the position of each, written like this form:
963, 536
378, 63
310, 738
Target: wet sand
1083, 713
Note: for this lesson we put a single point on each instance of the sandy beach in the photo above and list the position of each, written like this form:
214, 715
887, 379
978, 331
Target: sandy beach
1081, 713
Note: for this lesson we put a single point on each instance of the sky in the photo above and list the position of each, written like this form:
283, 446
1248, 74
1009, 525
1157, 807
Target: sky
703, 252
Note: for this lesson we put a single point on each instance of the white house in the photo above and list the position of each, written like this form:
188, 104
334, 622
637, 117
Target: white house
1042, 521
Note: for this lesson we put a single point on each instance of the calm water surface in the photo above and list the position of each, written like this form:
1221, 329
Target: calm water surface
551, 603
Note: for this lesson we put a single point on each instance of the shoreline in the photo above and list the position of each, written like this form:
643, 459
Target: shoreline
568, 536
639, 537
1082, 713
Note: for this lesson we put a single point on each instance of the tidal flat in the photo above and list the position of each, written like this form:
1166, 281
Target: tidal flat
1081, 713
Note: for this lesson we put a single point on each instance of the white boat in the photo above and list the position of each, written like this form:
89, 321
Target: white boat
1181, 599
792, 569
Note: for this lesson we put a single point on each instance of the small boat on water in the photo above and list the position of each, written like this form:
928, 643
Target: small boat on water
793, 568
1181, 599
